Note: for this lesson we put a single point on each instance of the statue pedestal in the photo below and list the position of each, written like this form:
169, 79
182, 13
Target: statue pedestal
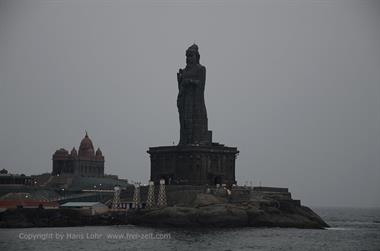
193, 164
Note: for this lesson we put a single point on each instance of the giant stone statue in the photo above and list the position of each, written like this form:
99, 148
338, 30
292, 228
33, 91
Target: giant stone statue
196, 160
190, 100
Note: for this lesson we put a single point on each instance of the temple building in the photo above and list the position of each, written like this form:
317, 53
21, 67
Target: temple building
86, 162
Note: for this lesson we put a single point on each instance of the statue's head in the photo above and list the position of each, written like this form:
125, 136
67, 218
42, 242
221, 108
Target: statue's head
192, 55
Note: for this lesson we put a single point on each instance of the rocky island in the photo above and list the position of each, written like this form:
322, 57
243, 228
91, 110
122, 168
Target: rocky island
260, 207
200, 174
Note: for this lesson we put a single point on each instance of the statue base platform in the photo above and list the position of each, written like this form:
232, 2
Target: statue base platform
193, 164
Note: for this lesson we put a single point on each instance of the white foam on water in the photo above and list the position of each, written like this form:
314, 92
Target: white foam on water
339, 228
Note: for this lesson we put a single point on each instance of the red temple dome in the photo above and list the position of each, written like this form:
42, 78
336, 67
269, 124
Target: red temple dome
98, 152
86, 148
99, 155
74, 152
61, 152
81, 163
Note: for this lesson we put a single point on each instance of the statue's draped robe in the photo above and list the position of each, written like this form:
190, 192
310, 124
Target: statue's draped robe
191, 106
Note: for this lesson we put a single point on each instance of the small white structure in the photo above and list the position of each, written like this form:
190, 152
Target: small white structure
116, 198
136, 196
150, 203
87, 208
162, 194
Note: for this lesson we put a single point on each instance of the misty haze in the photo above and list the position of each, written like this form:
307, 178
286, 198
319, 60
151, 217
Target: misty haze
293, 84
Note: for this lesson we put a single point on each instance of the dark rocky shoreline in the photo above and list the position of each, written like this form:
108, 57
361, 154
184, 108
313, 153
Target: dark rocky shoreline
191, 209
244, 208
217, 215
229, 215
36, 217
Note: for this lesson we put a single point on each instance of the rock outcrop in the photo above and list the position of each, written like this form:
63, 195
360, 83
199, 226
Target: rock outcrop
210, 211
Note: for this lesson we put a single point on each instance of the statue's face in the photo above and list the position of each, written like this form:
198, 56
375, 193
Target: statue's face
191, 57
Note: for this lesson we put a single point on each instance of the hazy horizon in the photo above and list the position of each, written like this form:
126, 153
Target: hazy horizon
294, 85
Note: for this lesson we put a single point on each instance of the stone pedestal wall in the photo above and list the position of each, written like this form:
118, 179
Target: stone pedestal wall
193, 164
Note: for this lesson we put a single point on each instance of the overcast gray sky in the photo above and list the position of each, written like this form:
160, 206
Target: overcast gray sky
295, 85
